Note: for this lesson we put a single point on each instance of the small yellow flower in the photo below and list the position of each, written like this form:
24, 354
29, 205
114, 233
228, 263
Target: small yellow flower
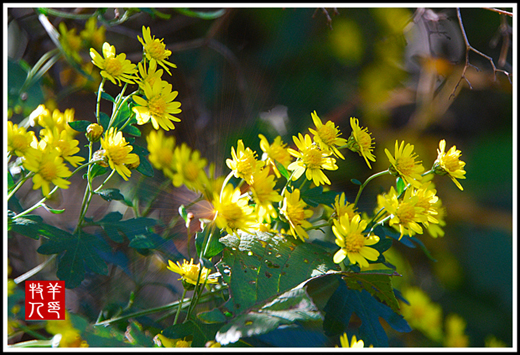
264, 195
19, 140
422, 314
275, 151
189, 168
295, 211
159, 105
361, 142
189, 272
427, 199
64, 144
405, 165
353, 244
244, 163
233, 211
449, 163
155, 49
49, 168
455, 327
161, 150
327, 135
161, 340
94, 36
57, 119
94, 132
405, 214
70, 42
342, 207
150, 75
114, 68
353, 344
118, 153
311, 160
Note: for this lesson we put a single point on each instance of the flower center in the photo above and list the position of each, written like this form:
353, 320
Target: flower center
312, 158
451, 163
157, 106
406, 213
117, 154
354, 242
113, 67
232, 213
280, 154
191, 171
156, 50
365, 141
165, 157
19, 142
245, 165
296, 214
48, 171
327, 134
191, 271
405, 165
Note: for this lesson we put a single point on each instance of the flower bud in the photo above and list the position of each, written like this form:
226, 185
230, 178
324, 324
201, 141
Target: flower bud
133, 165
94, 132
100, 155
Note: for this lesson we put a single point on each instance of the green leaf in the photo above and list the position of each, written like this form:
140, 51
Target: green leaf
104, 120
10, 181
184, 214
210, 15
356, 182
316, 196
107, 96
282, 170
134, 334
379, 286
52, 210
141, 242
213, 316
80, 126
265, 265
400, 185
32, 226
201, 332
110, 194
144, 167
214, 246
80, 251
97, 170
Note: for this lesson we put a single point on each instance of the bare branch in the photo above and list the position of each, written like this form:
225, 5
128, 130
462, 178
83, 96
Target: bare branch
501, 12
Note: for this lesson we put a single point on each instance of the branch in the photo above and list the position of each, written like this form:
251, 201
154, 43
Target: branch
501, 12
470, 48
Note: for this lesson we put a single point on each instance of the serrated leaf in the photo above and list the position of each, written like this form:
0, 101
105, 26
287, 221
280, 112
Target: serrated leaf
32, 226
379, 286
80, 126
344, 302
79, 252
283, 171
110, 194
316, 196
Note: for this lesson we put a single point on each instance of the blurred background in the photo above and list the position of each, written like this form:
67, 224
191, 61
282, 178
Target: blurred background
264, 70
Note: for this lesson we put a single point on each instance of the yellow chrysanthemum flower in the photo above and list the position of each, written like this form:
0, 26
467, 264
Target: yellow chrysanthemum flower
95, 36
353, 344
64, 144
49, 168
405, 214
361, 142
155, 49
150, 75
327, 136
233, 211
435, 230
161, 150
275, 151
70, 336
427, 198
295, 211
19, 140
449, 163
114, 68
70, 42
405, 165
353, 244
189, 168
264, 195
422, 314
159, 105
455, 328
244, 163
190, 272
118, 153
57, 119
342, 207
311, 160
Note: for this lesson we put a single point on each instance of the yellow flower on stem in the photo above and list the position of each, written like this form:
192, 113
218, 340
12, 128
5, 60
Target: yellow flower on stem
353, 344
69, 337
404, 164
232, 210
92, 34
342, 207
118, 153
327, 135
189, 272
49, 168
405, 214
161, 150
427, 199
264, 195
19, 140
189, 168
422, 314
159, 105
295, 211
150, 75
244, 163
70, 42
64, 144
277, 151
155, 49
449, 163
311, 160
114, 68
361, 142
57, 119
352, 241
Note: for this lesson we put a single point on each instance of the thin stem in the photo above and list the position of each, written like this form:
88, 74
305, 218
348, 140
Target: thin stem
20, 183
179, 308
34, 270
62, 14
501, 12
98, 100
370, 178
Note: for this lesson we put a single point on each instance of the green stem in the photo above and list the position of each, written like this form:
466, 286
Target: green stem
20, 183
35, 270
226, 180
98, 100
370, 178
180, 307
68, 15
431, 171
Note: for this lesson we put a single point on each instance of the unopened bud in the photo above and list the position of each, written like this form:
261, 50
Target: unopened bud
100, 155
94, 132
